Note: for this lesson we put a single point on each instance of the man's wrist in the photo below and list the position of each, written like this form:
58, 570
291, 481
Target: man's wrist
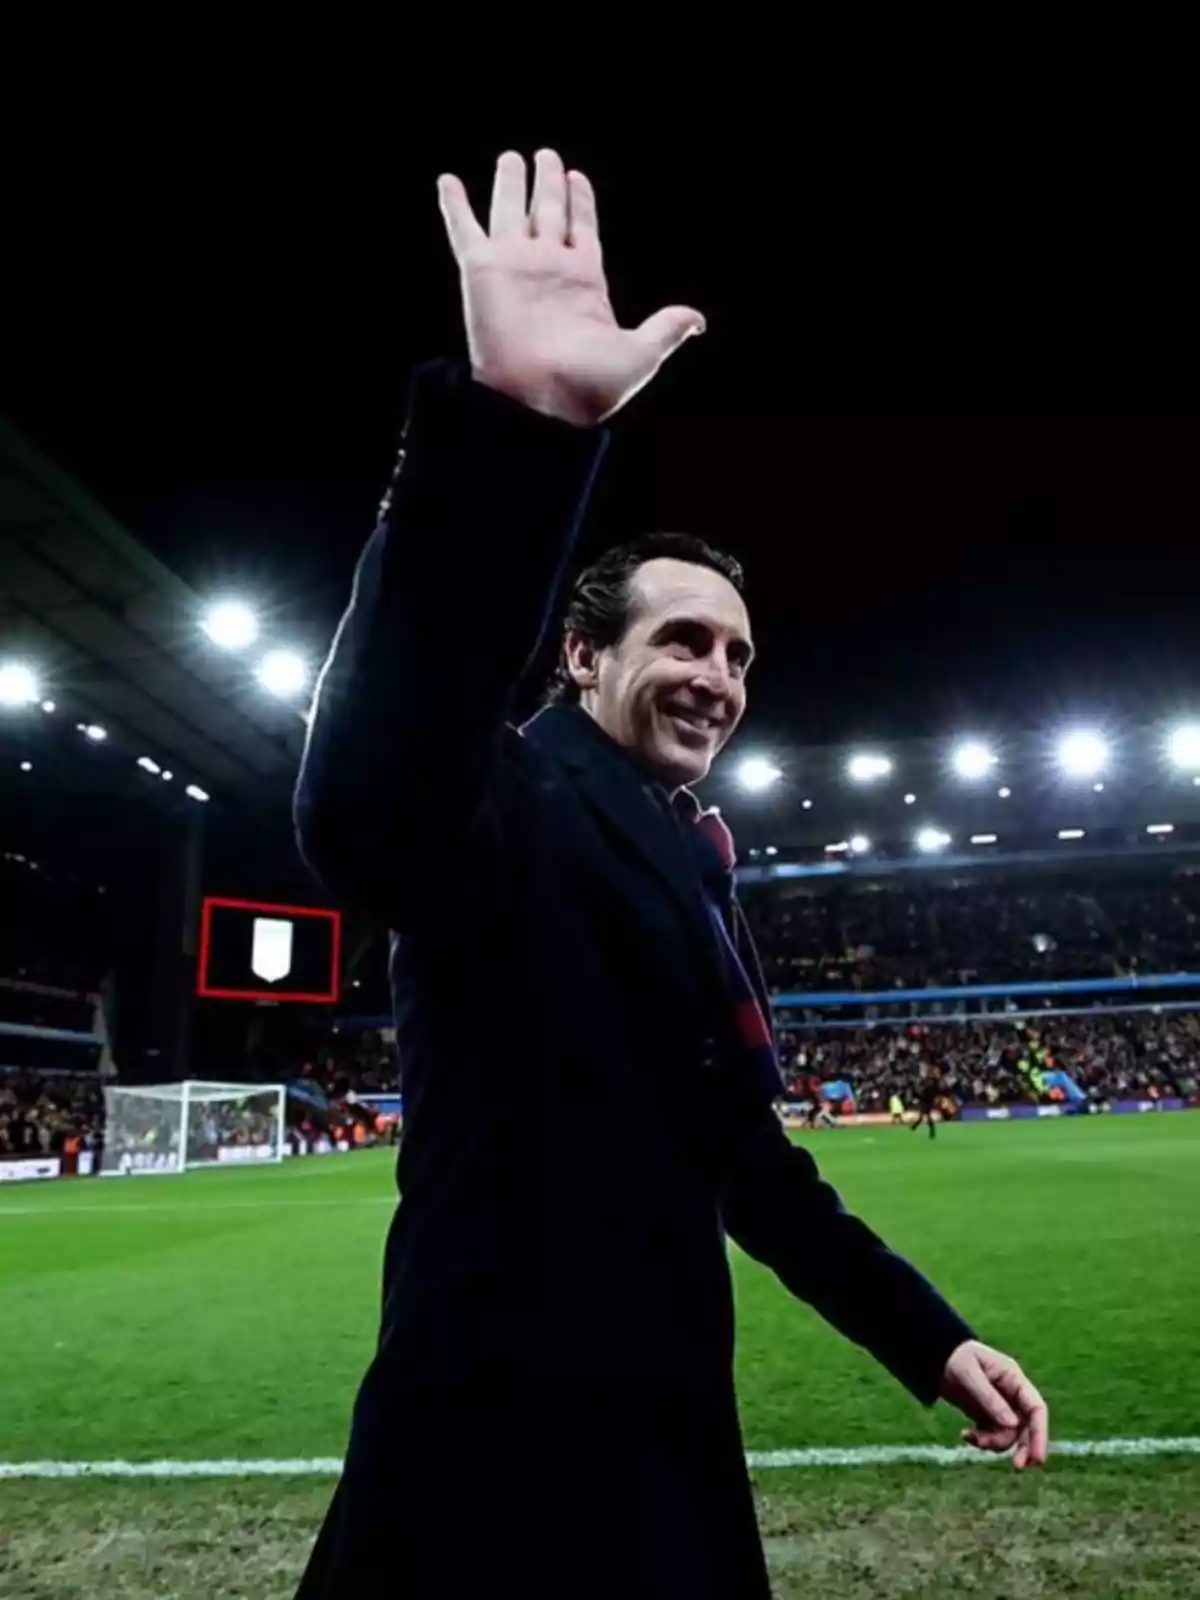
545, 395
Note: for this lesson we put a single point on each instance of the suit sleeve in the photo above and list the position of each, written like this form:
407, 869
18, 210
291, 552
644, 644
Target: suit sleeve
451, 598
779, 1209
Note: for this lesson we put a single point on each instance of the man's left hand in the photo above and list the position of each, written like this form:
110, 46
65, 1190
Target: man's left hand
990, 1389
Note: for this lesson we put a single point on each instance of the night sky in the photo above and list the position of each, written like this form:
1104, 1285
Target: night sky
960, 508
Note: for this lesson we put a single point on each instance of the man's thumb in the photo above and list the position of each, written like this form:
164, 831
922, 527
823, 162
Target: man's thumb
667, 329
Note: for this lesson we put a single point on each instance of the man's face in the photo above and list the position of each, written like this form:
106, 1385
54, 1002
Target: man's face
673, 688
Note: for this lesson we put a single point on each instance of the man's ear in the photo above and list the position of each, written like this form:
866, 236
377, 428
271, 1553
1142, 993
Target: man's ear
582, 659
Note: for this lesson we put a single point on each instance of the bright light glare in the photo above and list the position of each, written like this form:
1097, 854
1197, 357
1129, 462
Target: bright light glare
860, 844
1004, 793
1183, 747
147, 765
972, 759
1071, 833
282, 673
930, 840
757, 773
1082, 754
27, 766
983, 838
910, 799
47, 706
806, 805
195, 792
866, 766
94, 732
772, 850
1160, 827
838, 848
18, 684
231, 624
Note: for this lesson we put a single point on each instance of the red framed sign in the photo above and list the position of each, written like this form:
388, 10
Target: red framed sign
252, 950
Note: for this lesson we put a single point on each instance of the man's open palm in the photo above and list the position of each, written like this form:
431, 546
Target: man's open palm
539, 323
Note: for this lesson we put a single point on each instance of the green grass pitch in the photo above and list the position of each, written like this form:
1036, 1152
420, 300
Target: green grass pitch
229, 1314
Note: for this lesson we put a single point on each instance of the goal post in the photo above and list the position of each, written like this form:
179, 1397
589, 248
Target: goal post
173, 1127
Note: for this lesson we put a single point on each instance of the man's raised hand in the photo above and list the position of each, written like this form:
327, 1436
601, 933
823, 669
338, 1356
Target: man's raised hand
539, 324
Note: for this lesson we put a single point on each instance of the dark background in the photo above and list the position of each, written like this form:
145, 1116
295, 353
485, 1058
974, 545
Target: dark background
961, 470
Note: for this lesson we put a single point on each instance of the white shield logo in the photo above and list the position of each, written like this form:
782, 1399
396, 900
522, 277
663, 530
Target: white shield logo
271, 956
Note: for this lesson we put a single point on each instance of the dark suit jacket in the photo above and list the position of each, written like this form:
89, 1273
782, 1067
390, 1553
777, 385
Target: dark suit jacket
580, 1133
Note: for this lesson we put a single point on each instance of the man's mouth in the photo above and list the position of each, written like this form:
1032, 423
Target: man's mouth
692, 722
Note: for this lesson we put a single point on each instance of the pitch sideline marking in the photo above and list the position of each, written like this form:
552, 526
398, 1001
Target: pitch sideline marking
869, 1455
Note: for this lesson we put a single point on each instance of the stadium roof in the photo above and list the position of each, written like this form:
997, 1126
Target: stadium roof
114, 637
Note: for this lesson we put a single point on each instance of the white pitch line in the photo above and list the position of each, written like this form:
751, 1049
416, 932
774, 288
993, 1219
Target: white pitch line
869, 1455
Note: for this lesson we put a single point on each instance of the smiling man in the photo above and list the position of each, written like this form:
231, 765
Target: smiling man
589, 1069
656, 648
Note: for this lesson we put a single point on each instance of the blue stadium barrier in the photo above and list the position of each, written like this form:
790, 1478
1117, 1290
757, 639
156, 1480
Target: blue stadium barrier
814, 999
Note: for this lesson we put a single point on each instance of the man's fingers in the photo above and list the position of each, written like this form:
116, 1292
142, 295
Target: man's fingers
583, 228
509, 197
995, 1440
462, 225
666, 330
1032, 1409
1039, 1433
548, 211
984, 1399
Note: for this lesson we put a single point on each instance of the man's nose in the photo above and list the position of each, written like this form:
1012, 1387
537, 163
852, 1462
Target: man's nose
713, 678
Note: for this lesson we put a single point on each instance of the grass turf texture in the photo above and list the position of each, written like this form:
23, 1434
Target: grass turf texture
229, 1314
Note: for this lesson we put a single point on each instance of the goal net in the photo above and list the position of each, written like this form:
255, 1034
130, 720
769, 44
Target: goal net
169, 1127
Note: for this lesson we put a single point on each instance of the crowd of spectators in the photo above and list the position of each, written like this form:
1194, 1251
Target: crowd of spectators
41, 1111
891, 933
993, 1061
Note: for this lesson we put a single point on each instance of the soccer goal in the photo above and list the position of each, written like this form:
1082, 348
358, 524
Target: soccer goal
171, 1127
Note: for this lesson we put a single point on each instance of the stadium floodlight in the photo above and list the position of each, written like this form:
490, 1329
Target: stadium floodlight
866, 766
282, 673
910, 799
166, 776
758, 773
837, 849
983, 838
231, 624
195, 792
27, 766
971, 759
806, 805
931, 840
18, 684
1160, 827
859, 844
1082, 753
48, 706
1183, 747
1005, 793
1097, 788
771, 850
1072, 833
93, 731
149, 765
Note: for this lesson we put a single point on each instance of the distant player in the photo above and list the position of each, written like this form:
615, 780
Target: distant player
896, 1109
927, 1098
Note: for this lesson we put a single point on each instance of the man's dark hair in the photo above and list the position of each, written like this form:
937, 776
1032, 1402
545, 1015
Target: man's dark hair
601, 595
